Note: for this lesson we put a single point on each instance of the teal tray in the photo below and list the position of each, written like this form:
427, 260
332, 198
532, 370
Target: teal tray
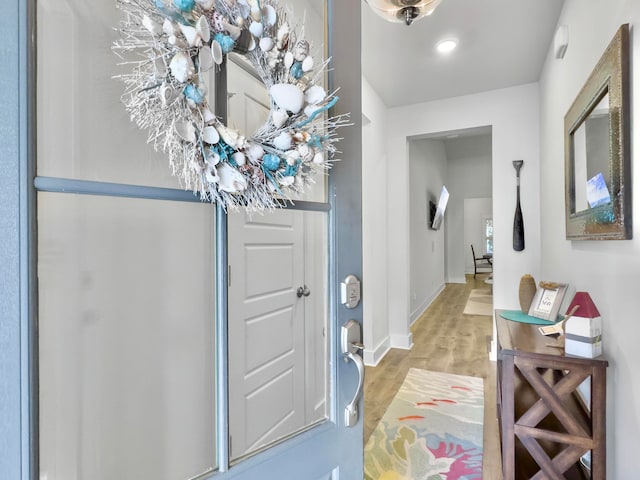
518, 316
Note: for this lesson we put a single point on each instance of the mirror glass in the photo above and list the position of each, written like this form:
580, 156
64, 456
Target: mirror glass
592, 175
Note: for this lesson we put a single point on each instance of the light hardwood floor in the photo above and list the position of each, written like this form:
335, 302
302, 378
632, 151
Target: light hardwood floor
444, 340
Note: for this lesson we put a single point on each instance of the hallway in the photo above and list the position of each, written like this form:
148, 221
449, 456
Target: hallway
445, 340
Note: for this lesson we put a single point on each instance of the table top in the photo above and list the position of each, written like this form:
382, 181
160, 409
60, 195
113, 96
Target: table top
516, 337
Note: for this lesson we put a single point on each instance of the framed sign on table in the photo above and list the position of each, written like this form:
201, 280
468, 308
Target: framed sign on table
547, 300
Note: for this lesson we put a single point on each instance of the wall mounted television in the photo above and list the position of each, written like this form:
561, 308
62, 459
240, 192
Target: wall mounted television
437, 212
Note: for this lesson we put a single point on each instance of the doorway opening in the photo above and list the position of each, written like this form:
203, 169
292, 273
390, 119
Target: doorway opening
461, 160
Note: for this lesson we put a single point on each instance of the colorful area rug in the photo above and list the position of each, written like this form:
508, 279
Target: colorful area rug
431, 431
480, 302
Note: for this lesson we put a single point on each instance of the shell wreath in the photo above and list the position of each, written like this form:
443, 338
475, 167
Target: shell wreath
177, 43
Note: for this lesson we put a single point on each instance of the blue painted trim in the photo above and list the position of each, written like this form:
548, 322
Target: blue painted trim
222, 299
15, 424
306, 206
306, 452
346, 198
88, 187
28, 246
222, 333
334, 409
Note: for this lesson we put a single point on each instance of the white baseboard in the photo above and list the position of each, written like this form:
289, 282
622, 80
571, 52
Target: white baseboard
403, 342
372, 357
493, 354
458, 280
423, 307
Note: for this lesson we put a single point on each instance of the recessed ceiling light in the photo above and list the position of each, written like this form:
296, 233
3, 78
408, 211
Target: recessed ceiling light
446, 46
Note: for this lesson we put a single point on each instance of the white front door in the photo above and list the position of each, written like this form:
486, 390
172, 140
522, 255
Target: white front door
266, 329
277, 304
266, 316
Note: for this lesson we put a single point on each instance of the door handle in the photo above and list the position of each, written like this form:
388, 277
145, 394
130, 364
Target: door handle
303, 291
351, 337
351, 410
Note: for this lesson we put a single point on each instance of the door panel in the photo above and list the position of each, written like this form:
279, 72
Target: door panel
316, 316
277, 327
266, 318
277, 340
270, 265
280, 336
266, 329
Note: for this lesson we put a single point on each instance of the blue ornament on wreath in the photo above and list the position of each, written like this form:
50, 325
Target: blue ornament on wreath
223, 150
226, 42
184, 5
193, 93
316, 141
296, 70
292, 170
271, 162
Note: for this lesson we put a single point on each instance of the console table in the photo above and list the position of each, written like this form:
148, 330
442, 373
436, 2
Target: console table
545, 427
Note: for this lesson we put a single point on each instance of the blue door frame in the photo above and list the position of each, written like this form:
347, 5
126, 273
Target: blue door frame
17, 453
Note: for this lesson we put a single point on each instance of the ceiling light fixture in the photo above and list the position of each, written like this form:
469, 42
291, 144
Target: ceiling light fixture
446, 46
403, 10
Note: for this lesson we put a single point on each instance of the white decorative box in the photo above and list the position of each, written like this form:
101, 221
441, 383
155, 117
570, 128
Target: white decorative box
583, 337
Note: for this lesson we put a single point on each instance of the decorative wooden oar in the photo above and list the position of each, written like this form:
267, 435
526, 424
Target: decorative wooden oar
518, 222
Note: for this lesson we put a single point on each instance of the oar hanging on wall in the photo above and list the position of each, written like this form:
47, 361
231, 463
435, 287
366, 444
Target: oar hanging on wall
518, 222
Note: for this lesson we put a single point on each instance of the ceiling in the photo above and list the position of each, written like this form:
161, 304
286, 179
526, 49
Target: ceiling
502, 43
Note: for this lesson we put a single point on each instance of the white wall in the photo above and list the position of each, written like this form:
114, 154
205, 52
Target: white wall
374, 228
608, 270
514, 117
428, 167
468, 176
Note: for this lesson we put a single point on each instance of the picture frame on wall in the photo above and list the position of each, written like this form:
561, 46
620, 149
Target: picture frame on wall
547, 300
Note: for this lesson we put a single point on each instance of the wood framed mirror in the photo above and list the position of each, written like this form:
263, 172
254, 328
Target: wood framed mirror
597, 150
